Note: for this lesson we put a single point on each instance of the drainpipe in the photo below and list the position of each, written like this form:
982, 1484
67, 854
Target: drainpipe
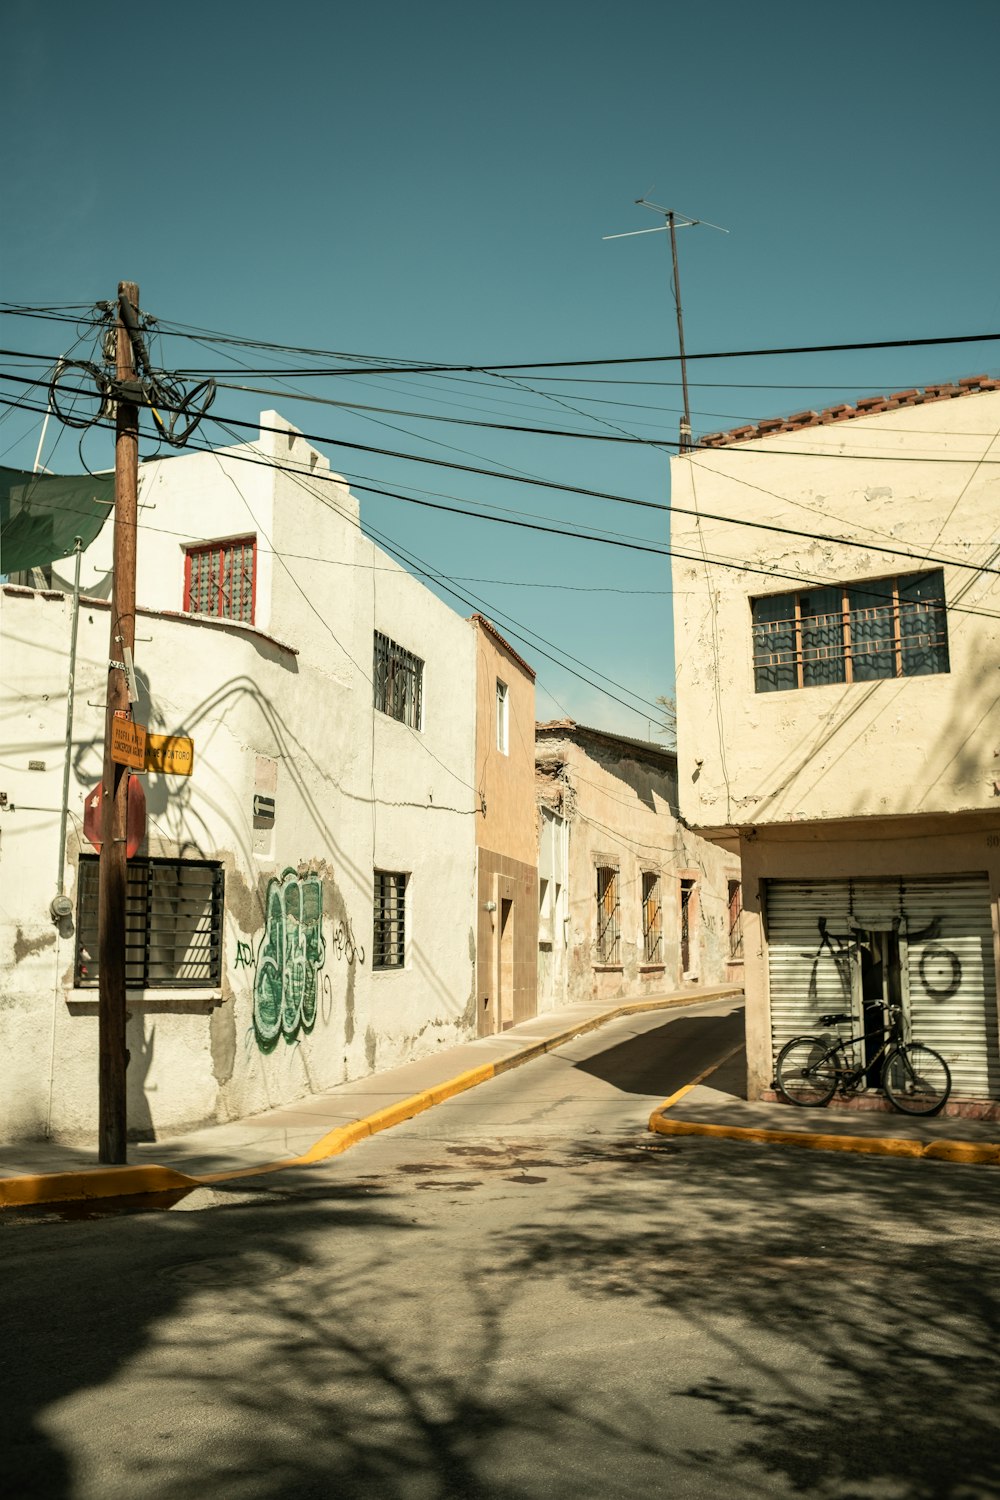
61, 906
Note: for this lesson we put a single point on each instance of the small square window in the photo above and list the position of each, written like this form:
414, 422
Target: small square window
221, 579
398, 680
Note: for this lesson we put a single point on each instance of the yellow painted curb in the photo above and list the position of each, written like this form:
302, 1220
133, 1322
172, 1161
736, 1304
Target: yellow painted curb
114, 1182
104, 1182
973, 1153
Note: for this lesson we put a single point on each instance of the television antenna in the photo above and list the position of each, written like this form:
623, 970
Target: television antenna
673, 220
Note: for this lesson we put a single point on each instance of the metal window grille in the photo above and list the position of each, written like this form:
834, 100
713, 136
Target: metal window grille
735, 919
890, 627
220, 579
389, 940
652, 918
608, 938
398, 677
173, 924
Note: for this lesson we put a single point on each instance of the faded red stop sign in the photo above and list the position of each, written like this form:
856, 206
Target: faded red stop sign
135, 816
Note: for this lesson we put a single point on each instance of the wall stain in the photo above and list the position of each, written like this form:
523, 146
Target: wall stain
371, 1045
222, 1036
25, 946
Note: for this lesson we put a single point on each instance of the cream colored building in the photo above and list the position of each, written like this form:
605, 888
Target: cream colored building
506, 843
838, 696
631, 902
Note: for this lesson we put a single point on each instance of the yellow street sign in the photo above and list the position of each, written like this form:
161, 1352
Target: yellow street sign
171, 754
128, 743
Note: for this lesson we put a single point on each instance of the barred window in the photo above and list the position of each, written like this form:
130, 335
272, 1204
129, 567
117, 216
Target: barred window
608, 941
389, 941
220, 579
173, 924
398, 676
735, 919
652, 918
887, 627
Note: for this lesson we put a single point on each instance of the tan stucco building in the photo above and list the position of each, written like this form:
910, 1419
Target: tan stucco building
631, 901
838, 695
506, 842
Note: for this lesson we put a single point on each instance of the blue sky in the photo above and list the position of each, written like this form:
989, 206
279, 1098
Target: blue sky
432, 181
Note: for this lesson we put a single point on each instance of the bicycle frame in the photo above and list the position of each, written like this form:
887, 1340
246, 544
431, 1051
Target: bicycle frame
849, 1077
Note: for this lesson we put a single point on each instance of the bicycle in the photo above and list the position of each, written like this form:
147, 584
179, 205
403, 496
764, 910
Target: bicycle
811, 1069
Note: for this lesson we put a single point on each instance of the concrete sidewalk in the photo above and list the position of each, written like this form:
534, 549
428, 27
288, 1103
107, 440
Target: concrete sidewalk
312, 1129
713, 1106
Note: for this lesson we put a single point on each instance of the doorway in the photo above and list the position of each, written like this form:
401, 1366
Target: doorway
505, 966
881, 988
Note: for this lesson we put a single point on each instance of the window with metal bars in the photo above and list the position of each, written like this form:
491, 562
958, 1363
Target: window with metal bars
389, 938
173, 924
398, 677
652, 918
221, 579
859, 632
608, 938
735, 919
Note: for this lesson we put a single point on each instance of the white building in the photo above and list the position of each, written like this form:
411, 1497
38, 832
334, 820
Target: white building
302, 909
838, 695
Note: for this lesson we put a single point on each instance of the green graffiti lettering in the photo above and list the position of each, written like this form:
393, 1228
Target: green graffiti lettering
291, 955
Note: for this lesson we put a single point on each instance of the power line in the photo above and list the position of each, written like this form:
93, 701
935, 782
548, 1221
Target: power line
179, 330
599, 494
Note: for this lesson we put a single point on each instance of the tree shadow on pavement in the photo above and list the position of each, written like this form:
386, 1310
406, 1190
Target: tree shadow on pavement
255, 1352
857, 1300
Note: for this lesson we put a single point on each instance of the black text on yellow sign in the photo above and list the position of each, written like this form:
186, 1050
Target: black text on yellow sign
128, 743
170, 754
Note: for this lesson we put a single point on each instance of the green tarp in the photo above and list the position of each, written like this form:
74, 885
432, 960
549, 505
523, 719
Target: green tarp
42, 514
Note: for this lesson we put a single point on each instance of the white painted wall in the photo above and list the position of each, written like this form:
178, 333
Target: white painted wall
284, 708
922, 479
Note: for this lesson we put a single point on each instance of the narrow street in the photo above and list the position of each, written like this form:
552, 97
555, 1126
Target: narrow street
522, 1293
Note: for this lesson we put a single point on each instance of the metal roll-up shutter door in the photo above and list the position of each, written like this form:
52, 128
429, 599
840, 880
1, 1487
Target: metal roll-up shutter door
809, 963
951, 979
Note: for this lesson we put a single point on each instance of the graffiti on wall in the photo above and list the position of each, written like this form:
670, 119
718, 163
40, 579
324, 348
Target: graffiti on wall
289, 960
345, 945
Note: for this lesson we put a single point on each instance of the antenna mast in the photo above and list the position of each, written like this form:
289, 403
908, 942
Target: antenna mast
674, 221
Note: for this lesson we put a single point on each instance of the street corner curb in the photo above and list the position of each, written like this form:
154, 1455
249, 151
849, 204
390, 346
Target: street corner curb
969, 1153
103, 1182
972, 1153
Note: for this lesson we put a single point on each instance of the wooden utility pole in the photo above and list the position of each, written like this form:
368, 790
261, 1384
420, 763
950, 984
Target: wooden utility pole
113, 862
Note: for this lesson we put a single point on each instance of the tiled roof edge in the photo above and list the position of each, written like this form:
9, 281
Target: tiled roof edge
491, 629
867, 406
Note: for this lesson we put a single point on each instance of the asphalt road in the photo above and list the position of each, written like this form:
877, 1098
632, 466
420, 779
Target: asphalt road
520, 1294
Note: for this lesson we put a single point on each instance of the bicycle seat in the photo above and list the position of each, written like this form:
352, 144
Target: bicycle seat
834, 1020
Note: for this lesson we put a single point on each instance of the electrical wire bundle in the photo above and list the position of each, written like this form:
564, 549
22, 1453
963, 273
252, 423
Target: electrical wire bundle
177, 409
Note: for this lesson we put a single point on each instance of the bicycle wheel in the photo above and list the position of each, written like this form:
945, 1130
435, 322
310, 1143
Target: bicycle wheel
916, 1080
805, 1072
